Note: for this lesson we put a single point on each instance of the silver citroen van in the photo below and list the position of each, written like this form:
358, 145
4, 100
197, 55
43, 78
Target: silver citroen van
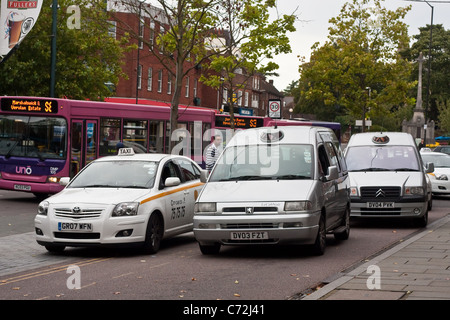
387, 177
274, 186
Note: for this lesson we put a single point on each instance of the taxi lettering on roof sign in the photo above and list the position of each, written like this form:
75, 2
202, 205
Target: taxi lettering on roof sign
380, 139
126, 152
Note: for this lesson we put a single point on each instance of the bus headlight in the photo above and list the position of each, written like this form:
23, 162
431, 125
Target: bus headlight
43, 208
125, 209
53, 179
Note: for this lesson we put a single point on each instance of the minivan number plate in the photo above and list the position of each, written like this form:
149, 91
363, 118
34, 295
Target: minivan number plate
74, 226
254, 235
380, 204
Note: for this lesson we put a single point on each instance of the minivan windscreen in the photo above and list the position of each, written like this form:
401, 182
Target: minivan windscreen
265, 162
382, 158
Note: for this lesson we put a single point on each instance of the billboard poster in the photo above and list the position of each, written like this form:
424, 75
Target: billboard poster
17, 18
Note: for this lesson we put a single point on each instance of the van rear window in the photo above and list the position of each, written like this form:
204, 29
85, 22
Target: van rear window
382, 158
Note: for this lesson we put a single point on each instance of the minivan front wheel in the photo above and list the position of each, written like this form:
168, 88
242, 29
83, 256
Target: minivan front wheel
319, 245
343, 231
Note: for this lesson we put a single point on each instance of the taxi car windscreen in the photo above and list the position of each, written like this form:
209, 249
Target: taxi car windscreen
386, 158
117, 174
264, 162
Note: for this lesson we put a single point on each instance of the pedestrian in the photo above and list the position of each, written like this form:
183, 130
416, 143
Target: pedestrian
421, 144
213, 152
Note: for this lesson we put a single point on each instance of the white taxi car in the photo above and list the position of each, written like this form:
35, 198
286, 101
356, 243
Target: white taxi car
131, 199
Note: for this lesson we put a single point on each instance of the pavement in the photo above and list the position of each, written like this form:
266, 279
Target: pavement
417, 268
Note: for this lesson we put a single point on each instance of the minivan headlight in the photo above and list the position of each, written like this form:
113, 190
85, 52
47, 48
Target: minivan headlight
203, 207
43, 208
297, 205
125, 209
414, 191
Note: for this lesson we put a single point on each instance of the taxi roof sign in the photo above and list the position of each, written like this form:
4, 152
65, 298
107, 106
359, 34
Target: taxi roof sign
126, 152
380, 139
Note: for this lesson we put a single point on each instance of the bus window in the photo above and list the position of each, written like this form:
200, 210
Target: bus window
109, 136
156, 137
135, 135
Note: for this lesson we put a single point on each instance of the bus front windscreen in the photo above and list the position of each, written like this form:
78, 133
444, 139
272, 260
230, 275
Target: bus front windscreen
33, 137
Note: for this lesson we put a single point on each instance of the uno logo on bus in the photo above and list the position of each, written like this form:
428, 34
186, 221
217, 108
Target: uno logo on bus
24, 170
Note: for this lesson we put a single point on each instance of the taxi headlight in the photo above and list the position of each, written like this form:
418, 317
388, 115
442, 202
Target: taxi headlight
297, 205
414, 191
125, 209
43, 208
203, 207
441, 177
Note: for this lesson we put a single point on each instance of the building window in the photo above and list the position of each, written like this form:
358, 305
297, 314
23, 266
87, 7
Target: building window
239, 98
151, 39
195, 87
141, 33
160, 76
187, 88
246, 99
139, 75
112, 29
169, 84
256, 83
149, 79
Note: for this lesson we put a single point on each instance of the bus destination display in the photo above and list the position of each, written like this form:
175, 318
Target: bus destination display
29, 105
239, 122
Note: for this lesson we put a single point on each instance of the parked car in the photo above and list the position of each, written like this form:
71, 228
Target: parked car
128, 199
443, 149
274, 186
387, 177
440, 178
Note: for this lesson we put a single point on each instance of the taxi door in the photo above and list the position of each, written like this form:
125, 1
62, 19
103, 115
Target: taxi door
175, 200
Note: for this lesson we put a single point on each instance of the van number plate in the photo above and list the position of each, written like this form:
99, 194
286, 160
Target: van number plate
254, 235
380, 205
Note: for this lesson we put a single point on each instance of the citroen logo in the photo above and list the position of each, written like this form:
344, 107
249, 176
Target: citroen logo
76, 210
249, 210
380, 193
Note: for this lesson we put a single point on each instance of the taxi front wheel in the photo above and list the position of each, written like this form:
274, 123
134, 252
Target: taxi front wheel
154, 234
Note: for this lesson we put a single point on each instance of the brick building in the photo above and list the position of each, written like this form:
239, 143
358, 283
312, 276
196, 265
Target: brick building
149, 80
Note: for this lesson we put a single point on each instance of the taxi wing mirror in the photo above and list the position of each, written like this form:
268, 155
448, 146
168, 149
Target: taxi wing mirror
172, 182
204, 175
429, 167
64, 181
332, 173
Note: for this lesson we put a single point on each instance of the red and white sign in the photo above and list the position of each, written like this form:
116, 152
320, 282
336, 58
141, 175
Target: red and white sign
275, 109
17, 18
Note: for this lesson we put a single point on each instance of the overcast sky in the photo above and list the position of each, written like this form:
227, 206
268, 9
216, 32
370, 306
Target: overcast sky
313, 27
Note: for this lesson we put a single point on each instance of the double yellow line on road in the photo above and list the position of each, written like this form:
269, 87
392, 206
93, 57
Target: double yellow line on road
41, 273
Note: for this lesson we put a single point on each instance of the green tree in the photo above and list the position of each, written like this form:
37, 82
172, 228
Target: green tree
180, 46
252, 42
444, 116
440, 68
359, 70
87, 58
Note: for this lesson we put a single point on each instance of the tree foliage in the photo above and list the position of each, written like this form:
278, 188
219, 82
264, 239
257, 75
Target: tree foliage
87, 58
359, 67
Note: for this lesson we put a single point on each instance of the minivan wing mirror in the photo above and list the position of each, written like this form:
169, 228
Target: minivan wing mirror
429, 167
64, 181
204, 175
332, 173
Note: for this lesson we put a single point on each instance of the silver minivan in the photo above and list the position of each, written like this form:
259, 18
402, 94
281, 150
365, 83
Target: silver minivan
387, 177
274, 186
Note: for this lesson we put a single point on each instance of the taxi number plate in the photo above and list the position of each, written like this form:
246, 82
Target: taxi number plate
380, 204
74, 226
255, 235
22, 187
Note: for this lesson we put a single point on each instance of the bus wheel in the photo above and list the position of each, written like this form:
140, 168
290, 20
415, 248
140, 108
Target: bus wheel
154, 234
